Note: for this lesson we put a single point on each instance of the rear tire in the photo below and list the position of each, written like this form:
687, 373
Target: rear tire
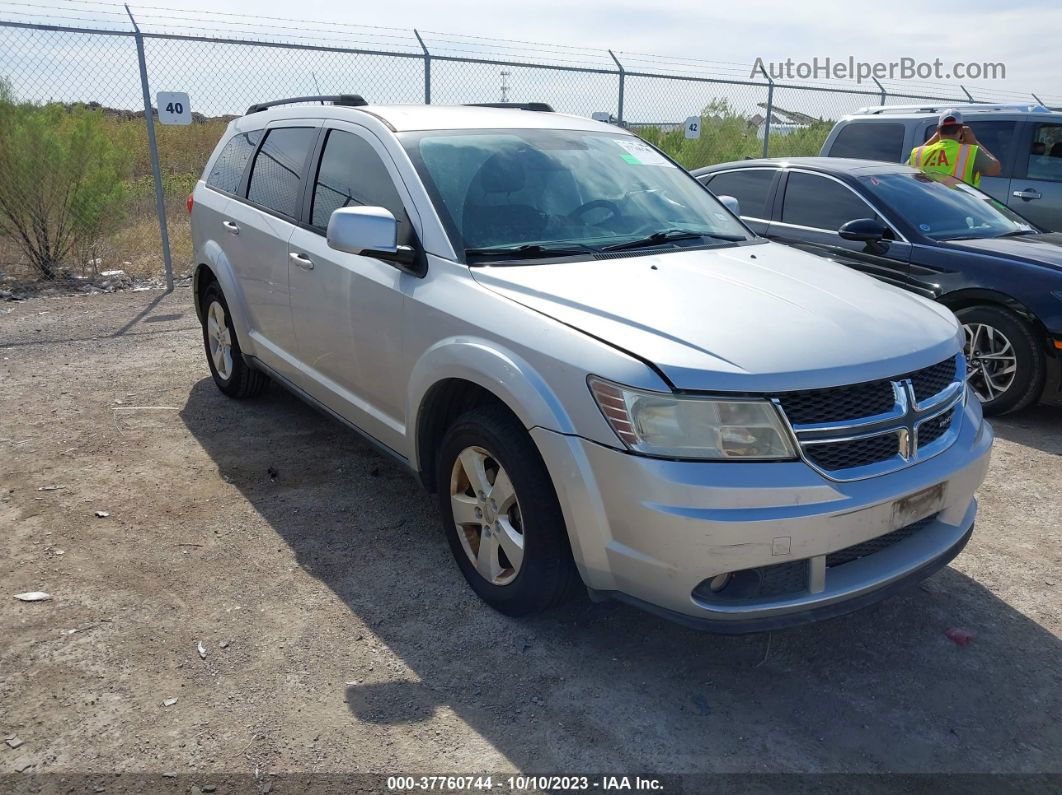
512, 543
1006, 366
231, 373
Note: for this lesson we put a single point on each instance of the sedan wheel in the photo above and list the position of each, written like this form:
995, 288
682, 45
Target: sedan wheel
487, 515
1005, 362
991, 362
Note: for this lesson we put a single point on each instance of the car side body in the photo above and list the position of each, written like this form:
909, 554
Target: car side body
1021, 275
404, 345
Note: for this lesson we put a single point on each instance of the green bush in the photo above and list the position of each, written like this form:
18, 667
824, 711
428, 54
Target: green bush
61, 180
726, 135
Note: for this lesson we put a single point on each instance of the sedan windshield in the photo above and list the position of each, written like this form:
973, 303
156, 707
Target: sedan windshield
944, 208
524, 193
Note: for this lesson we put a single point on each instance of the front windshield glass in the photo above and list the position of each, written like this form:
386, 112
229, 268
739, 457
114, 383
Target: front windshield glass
562, 189
944, 208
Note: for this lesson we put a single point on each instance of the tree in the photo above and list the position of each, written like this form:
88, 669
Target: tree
61, 178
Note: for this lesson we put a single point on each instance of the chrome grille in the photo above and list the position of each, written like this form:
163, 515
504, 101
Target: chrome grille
863, 430
931, 430
840, 403
933, 380
856, 453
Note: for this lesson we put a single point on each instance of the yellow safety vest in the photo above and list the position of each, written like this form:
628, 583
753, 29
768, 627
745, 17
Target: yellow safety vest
947, 157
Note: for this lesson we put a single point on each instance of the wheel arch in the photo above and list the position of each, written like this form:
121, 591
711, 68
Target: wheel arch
457, 375
202, 277
964, 299
979, 296
217, 268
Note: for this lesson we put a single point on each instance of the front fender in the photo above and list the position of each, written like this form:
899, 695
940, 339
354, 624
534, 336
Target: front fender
502, 372
213, 257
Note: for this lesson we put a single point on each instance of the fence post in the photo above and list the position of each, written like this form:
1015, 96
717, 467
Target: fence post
770, 112
156, 171
427, 68
622, 81
880, 88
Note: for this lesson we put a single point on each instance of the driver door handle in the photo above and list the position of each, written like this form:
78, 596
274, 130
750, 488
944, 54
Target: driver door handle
301, 260
231, 227
1027, 194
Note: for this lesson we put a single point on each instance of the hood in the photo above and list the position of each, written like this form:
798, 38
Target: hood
751, 318
1043, 249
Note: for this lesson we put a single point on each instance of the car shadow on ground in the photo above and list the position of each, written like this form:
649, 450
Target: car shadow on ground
606, 687
1039, 427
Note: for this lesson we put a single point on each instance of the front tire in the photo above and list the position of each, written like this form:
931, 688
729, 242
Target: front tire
1005, 365
501, 514
231, 373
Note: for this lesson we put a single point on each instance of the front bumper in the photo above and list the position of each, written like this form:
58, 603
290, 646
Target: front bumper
651, 531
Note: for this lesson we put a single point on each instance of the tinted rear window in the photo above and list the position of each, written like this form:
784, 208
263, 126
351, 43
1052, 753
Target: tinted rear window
821, 203
870, 141
228, 168
277, 173
996, 136
749, 186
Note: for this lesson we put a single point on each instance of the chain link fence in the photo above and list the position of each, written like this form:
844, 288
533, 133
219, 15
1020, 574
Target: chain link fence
78, 188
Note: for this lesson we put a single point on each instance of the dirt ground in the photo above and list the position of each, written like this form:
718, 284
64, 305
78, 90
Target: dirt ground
339, 636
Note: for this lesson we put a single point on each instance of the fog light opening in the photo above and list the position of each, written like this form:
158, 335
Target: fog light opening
719, 582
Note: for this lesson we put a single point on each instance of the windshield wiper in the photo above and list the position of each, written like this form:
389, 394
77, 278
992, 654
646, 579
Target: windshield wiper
666, 236
1015, 233
529, 250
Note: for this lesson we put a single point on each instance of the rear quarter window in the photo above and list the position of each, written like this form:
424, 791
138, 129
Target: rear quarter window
228, 169
870, 141
749, 186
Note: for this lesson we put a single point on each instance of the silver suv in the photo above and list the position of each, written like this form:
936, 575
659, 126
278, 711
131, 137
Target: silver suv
600, 371
1027, 139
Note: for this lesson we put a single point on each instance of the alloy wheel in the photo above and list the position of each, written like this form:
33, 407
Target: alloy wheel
219, 337
991, 363
487, 515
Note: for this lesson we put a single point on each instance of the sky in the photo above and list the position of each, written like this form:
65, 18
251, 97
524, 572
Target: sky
704, 38
1022, 35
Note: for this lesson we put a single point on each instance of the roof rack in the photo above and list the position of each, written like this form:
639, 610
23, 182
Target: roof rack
348, 100
539, 106
878, 110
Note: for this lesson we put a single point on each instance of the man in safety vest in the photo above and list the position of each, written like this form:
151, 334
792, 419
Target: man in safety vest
954, 150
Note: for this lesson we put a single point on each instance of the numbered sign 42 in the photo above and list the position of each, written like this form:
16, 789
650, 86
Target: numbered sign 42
173, 107
693, 127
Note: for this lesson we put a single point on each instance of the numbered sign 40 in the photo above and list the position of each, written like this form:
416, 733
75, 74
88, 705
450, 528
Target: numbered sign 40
173, 107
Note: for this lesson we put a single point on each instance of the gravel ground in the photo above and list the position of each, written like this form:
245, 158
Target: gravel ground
338, 634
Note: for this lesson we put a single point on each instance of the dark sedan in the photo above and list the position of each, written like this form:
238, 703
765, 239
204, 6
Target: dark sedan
933, 235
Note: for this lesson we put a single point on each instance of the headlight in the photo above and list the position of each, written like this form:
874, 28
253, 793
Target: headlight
673, 426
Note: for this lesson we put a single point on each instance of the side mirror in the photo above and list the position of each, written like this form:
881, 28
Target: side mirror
864, 230
731, 204
363, 230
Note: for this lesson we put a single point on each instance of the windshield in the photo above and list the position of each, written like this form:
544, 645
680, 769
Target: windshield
566, 190
944, 208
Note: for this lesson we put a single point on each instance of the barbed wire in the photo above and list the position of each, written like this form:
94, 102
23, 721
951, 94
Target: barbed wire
166, 19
